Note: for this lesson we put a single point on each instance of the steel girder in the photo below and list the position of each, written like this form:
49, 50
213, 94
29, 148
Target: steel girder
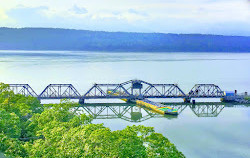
107, 91
127, 90
149, 90
60, 91
23, 89
163, 91
133, 89
206, 91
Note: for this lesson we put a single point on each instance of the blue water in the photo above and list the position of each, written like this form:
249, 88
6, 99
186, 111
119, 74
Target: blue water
210, 135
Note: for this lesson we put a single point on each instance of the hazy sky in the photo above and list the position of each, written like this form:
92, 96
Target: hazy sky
228, 17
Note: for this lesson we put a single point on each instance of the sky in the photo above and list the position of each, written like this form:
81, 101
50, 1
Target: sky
224, 17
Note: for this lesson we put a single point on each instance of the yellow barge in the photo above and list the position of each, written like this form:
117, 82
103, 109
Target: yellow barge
159, 108
156, 107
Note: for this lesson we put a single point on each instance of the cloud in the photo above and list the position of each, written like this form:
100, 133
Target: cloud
23, 13
3, 16
133, 11
172, 16
79, 10
22, 16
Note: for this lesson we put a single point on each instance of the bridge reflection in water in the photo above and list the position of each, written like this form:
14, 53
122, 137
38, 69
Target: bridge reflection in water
207, 110
133, 113
129, 113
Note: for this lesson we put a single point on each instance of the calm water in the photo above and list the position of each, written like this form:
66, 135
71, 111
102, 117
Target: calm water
209, 130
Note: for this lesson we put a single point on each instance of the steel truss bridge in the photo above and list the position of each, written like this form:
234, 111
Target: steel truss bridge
130, 90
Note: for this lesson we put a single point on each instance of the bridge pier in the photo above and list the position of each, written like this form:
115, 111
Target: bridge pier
187, 100
81, 101
193, 101
130, 101
39, 99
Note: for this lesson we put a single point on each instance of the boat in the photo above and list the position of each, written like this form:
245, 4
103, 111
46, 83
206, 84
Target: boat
168, 110
157, 107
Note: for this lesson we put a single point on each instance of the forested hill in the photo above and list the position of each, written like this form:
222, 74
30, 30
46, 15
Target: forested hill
66, 39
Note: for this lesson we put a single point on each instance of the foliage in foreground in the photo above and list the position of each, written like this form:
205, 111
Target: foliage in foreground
247, 98
28, 129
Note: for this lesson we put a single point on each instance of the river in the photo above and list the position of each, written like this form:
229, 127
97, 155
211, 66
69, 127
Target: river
206, 130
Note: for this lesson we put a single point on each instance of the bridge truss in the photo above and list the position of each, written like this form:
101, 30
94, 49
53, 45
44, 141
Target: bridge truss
206, 91
60, 91
134, 89
23, 89
130, 90
106, 91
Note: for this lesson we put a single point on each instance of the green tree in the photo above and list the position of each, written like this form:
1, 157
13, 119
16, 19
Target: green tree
11, 147
28, 129
9, 124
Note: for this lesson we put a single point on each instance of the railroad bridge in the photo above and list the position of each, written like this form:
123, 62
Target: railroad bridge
130, 90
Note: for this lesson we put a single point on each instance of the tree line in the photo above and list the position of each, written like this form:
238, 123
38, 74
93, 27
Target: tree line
84, 40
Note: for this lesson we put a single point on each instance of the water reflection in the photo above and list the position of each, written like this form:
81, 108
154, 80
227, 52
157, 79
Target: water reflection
126, 112
133, 113
207, 110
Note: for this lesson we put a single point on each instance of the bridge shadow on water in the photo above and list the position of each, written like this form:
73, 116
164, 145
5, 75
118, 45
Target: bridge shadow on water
135, 113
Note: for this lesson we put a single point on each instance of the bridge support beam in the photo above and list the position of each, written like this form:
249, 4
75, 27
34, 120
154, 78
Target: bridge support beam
81, 101
187, 100
39, 100
193, 101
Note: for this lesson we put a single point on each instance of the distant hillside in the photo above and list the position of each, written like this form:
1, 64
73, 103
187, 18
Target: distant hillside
65, 39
